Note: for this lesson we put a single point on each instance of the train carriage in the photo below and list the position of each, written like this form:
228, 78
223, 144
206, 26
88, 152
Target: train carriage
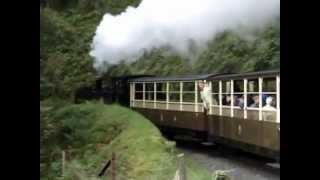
243, 109
253, 125
172, 103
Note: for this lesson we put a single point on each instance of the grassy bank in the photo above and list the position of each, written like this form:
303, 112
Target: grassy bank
93, 131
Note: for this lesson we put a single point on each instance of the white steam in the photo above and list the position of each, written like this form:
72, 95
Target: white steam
174, 23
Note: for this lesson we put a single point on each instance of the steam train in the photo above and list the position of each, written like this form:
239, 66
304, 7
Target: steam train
243, 110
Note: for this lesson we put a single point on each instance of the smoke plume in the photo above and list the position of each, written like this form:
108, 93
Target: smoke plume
174, 24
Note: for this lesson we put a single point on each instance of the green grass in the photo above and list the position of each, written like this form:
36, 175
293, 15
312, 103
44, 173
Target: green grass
94, 130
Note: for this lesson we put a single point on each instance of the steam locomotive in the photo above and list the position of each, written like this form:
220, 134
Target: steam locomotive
109, 89
243, 110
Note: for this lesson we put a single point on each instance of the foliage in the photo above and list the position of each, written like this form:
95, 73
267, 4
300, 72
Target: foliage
66, 32
220, 175
45, 89
64, 46
93, 131
111, 6
229, 52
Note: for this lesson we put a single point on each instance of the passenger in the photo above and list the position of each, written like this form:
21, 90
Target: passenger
273, 101
215, 100
226, 100
264, 99
205, 93
201, 85
255, 101
239, 101
268, 110
269, 104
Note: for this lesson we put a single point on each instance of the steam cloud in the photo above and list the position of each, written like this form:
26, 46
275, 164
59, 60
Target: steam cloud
174, 23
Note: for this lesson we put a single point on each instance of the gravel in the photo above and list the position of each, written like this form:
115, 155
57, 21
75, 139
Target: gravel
240, 165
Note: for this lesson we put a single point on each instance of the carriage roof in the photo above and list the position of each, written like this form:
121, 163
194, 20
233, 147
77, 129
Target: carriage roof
215, 76
267, 73
173, 78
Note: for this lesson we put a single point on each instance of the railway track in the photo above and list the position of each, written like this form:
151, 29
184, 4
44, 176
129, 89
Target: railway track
240, 165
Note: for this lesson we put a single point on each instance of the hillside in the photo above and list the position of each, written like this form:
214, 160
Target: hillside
227, 53
92, 131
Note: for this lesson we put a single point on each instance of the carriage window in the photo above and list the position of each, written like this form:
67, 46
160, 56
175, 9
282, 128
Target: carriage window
238, 97
253, 93
215, 99
149, 87
226, 99
269, 96
161, 96
269, 99
226, 86
149, 96
253, 100
161, 91
174, 97
138, 91
238, 86
188, 94
215, 86
269, 85
174, 92
226, 93
269, 92
269, 111
174, 87
138, 95
215, 92
188, 97
161, 87
149, 91
188, 86
138, 87
253, 85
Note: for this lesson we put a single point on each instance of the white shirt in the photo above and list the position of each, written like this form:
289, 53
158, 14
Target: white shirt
269, 113
205, 96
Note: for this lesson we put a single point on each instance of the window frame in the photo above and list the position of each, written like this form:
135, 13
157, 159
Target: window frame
195, 97
245, 95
